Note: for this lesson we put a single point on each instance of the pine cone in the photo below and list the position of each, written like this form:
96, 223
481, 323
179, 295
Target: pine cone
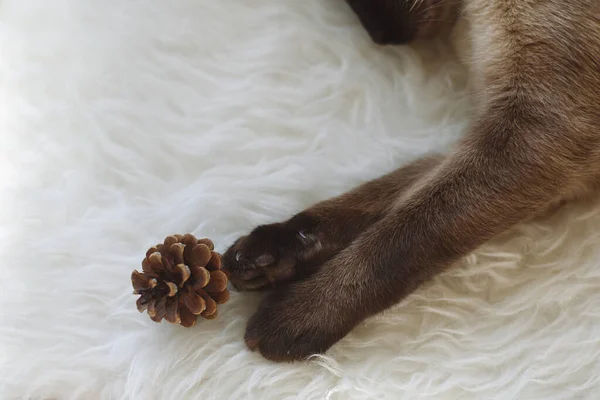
181, 279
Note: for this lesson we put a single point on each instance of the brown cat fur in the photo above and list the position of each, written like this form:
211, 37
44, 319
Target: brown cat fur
534, 143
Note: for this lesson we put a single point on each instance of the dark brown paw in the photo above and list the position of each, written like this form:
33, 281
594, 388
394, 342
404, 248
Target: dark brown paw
269, 254
293, 325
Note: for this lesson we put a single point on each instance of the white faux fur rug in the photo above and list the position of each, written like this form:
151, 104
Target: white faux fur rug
124, 121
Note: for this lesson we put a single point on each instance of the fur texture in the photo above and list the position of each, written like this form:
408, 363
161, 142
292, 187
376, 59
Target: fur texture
127, 121
533, 144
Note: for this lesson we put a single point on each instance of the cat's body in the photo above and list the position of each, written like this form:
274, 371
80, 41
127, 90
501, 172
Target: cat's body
547, 50
534, 143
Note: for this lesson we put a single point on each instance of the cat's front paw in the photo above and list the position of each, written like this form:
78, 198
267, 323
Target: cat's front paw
268, 255
295, 323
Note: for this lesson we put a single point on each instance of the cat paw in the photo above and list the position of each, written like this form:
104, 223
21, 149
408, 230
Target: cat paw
292, 325
268, 255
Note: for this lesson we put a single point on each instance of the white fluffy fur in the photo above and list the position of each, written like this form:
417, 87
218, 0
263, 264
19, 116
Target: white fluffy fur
125, 121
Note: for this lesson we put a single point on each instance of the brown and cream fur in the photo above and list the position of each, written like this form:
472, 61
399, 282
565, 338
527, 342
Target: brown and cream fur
534, 143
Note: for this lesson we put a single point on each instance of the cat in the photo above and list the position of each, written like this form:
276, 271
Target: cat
534, 143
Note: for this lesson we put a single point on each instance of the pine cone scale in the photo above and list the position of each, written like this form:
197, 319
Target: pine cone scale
147, 268
151, 307
141, 281
220, 297
177, 252
156, 265
182, 274
169, 241
199, 255
189, 240
217, 283
171, 311
142, 302
211, 305
194, 302
168, 266
215, 261
187, 318
172, 289
201, 277
208, 243
159, 307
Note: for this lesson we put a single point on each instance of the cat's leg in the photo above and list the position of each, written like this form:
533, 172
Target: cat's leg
497, 178
297, 247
